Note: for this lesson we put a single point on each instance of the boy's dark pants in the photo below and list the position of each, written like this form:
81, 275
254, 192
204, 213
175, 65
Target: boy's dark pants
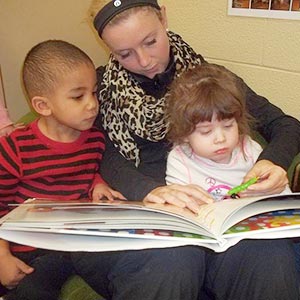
250, 270
51, 270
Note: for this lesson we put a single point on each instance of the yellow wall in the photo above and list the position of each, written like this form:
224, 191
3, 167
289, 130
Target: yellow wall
265, 52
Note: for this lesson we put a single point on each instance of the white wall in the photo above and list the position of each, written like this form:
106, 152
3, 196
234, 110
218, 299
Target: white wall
24, 23
265, 52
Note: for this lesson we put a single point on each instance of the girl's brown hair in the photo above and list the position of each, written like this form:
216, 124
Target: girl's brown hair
201, 92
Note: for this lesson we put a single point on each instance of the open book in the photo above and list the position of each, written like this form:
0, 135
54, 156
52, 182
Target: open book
127, 225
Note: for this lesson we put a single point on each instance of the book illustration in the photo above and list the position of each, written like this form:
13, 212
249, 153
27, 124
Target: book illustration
268, 220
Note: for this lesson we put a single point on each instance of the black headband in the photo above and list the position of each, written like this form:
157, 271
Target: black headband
113, 8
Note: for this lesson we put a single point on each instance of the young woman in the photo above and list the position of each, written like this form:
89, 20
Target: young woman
145, 58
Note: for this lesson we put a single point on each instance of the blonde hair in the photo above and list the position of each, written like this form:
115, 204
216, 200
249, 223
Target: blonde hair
97, 5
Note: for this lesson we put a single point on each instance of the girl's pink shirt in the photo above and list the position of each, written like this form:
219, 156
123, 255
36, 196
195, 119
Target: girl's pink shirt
4, 118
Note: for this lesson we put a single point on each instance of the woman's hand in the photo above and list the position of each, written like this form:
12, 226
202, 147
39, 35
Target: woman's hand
190, 196
272, 179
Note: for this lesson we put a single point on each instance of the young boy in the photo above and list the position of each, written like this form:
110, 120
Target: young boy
57, 156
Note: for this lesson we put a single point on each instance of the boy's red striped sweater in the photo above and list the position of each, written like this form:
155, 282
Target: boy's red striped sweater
34, 166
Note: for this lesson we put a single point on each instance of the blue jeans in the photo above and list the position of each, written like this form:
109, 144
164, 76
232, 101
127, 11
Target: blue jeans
51, 270
250, 270
297, 251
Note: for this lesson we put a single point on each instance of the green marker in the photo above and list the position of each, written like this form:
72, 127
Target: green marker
234, 191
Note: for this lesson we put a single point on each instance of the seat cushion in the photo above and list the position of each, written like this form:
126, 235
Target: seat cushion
76, 288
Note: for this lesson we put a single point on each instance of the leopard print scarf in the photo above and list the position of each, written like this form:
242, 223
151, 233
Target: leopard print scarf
125, 107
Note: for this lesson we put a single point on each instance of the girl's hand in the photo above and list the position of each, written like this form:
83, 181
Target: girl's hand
102, 190
5, 131
272, 179
190, 196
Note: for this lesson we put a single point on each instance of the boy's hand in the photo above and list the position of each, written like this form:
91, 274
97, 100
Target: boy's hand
12, 270
102, 190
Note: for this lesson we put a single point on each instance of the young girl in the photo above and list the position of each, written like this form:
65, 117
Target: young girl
209, 125
6, 125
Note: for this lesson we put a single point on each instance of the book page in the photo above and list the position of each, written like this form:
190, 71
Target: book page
100, 216
219, 216
212, 220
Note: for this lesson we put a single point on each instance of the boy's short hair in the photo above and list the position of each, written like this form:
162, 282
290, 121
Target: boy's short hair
47, 63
